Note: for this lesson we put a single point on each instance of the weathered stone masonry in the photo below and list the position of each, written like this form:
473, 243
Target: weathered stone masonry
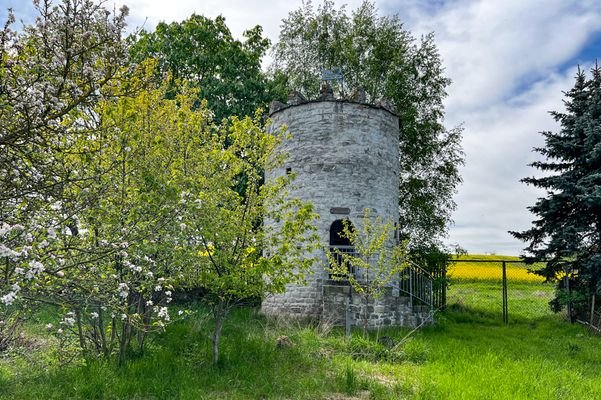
345, 158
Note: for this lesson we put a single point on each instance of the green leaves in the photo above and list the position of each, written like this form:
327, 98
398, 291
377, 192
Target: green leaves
201, 51
224, 233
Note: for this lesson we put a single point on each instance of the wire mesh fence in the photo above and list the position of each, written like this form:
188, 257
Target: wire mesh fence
505, 288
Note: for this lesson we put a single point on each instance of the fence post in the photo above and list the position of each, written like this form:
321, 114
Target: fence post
569, 295
443, 285
505, 308
592, 310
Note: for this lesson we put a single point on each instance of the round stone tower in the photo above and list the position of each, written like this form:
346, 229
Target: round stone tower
345, 156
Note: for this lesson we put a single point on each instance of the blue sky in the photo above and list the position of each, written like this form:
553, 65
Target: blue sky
509, 61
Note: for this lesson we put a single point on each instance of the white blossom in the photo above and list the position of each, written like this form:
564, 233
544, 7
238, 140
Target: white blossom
123, 290
9, 298
6, 252
35, 268
164, 313
135, 268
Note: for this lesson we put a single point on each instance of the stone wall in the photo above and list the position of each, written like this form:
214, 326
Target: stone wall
390, 309
345, 159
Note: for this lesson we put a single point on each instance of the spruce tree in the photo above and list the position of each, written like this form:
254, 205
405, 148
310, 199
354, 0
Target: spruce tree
566, 233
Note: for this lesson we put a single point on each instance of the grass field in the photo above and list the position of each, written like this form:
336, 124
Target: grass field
468, 354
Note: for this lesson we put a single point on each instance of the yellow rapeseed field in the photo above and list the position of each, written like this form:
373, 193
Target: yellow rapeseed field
490, 270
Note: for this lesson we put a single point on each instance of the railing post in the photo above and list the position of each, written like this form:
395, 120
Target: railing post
411, 288
431, 294
444, 287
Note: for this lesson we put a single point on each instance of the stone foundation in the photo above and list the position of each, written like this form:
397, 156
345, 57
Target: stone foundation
329, 304
390, 309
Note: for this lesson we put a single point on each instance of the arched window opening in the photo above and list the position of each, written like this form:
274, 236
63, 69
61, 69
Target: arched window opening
339, 244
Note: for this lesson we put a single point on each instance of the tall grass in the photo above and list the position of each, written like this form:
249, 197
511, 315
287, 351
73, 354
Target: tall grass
468, 354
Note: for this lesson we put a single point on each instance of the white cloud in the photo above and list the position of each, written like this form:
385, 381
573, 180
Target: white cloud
239, 15
491, 48
505, 60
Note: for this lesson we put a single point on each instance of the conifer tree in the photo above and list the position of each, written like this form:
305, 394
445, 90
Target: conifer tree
567, 231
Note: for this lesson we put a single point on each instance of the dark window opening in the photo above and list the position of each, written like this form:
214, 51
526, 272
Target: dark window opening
288, 170
339, 244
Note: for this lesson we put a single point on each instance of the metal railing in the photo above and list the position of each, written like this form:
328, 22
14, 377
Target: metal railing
417, 283
338, 253
414, 281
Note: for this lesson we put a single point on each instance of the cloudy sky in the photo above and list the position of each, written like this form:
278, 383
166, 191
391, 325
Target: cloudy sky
509, 61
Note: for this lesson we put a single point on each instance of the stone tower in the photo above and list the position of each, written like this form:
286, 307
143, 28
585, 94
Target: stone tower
345, 158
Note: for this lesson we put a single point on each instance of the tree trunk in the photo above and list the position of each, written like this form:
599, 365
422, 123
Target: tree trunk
366, 316
122, 344
141, 331
219, 315
125, 337
103, 344
80, 333
592, 310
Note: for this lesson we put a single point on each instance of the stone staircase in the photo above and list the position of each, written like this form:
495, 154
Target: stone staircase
393, 308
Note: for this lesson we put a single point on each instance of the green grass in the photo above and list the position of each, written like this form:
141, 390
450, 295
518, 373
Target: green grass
468, 354
465, 356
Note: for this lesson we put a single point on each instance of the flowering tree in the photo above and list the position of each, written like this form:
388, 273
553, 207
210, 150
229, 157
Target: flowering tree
112, 193
50, 75
99, 256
